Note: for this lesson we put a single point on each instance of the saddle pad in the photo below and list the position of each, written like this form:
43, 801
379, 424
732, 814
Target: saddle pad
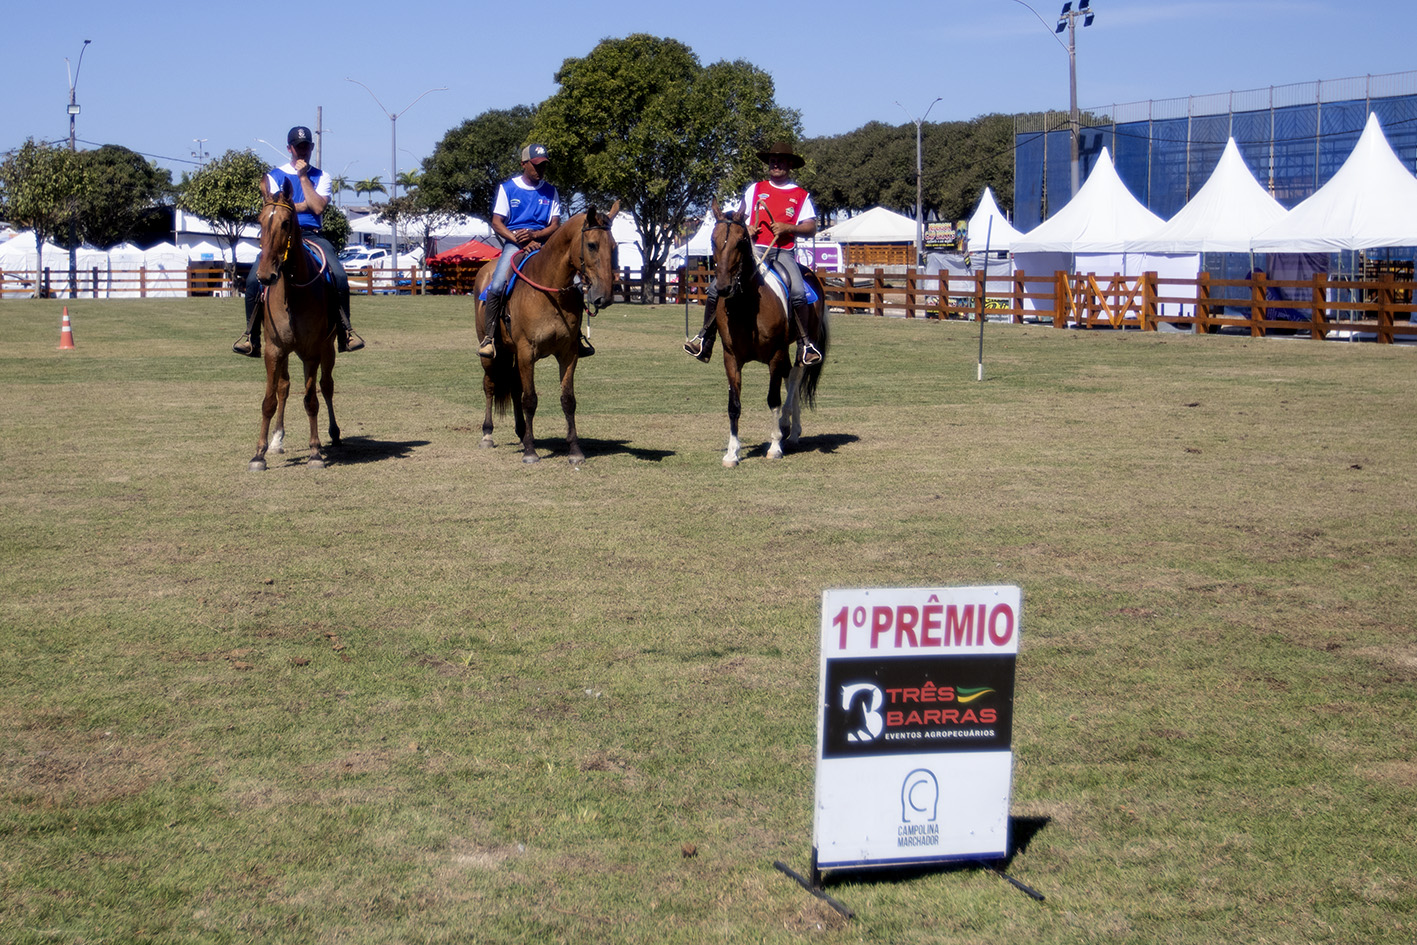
778, 285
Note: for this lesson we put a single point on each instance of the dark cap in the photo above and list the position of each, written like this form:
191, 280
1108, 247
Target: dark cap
534, 153
299, 135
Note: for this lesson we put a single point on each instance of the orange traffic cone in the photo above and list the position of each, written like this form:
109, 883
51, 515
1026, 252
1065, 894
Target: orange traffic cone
66, 333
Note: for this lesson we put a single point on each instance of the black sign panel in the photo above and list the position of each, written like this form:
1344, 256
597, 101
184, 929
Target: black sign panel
901, 706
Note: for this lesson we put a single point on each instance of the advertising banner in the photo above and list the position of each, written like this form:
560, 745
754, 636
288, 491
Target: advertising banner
915, 725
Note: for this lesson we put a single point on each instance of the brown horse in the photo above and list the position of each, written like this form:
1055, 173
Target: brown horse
296, 322
544, 309
753, 324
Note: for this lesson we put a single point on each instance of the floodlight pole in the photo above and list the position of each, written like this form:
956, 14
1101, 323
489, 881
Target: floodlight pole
919, 192
73, 147
394, 158
1068, 19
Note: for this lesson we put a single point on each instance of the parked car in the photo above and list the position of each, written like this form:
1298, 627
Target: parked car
359, 258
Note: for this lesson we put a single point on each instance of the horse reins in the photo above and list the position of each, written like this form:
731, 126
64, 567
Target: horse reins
523, 256
285, 255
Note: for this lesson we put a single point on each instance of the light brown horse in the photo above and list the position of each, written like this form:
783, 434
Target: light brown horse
544, 308
296, 314
753, 324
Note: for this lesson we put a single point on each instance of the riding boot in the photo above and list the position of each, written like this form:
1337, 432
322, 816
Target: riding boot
249, 344
491, 314
348, 340
807, 353
701, 345
586, 348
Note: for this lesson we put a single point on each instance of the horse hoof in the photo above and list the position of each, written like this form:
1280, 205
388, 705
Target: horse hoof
775, 452
487, 443
531, 458
729, 462
316, 463
257, 465
576, 460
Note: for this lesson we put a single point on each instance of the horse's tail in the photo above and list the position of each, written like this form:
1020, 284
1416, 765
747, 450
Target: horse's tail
811, 374
505, 379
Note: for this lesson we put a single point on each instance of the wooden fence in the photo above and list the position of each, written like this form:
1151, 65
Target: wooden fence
1382, 307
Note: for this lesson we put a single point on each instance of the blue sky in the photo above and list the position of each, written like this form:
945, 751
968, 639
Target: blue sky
159, 75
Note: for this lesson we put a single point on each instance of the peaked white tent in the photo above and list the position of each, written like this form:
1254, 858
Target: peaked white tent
877, 225
989, 222
1223, 217
1370, 203
1091, 233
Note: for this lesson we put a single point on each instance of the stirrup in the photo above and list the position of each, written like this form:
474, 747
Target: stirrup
808, 354
488, 347
698, 349
349, 341
586, 348
245, 346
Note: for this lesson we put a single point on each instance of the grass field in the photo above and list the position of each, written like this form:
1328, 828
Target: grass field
430, 694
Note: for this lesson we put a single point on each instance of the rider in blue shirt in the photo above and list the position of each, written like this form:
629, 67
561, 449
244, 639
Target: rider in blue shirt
311, 193
525, 212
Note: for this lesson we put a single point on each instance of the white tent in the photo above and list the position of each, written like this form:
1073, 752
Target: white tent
989, 222
1223, 216
167, 270
877, 225
1370, 203
1091, 233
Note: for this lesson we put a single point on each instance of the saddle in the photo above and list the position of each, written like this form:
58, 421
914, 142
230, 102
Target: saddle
511, 280
778, 282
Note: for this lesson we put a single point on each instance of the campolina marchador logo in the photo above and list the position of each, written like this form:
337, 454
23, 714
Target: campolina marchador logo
887, 707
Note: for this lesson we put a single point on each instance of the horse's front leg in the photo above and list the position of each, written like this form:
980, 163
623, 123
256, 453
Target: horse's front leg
735, 406
526, 365
268, 410
568, 406
312, 410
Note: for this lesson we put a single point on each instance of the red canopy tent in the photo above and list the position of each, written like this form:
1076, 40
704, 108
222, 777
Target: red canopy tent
467, 252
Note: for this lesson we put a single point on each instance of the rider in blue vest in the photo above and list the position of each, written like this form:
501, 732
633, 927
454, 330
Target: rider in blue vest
525, 212
311, 192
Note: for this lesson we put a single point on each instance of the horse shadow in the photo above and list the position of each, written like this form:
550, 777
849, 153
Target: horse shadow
824, 443
555, 448
362, 449
1022, 830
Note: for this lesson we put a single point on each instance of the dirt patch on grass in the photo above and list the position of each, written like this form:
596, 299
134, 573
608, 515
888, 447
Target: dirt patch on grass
1401, 773
80, 769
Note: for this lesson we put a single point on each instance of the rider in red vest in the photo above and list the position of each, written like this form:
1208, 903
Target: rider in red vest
778, 210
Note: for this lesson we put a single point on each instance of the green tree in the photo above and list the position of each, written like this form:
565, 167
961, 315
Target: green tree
639, 119
334, 226
462, 173
226, 193
409, 180
40, 187
125, 193
339, 185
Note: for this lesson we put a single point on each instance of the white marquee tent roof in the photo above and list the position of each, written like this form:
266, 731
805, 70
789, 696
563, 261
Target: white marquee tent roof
877, 225
988, 223
1223, 216
1371, 202
1101, 218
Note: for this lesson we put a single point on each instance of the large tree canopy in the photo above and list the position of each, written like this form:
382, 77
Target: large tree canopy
124, 191
465, 168
40, 186
226, 193
640, 120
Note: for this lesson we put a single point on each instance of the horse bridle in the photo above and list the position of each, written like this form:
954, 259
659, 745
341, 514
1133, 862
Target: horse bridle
744, 254
582, 269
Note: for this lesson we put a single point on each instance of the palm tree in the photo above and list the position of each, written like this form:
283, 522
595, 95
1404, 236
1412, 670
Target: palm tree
409, 180
339, 185
370, 185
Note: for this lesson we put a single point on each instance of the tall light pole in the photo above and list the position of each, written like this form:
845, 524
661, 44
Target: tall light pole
394, 155
73, 147
1068, 20
200, 152
919, 191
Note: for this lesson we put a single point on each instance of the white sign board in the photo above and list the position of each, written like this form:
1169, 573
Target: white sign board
915, 727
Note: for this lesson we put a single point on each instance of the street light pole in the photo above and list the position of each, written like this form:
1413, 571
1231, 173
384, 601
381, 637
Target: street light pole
1068, 20
73, 147
394, 156
919, 190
